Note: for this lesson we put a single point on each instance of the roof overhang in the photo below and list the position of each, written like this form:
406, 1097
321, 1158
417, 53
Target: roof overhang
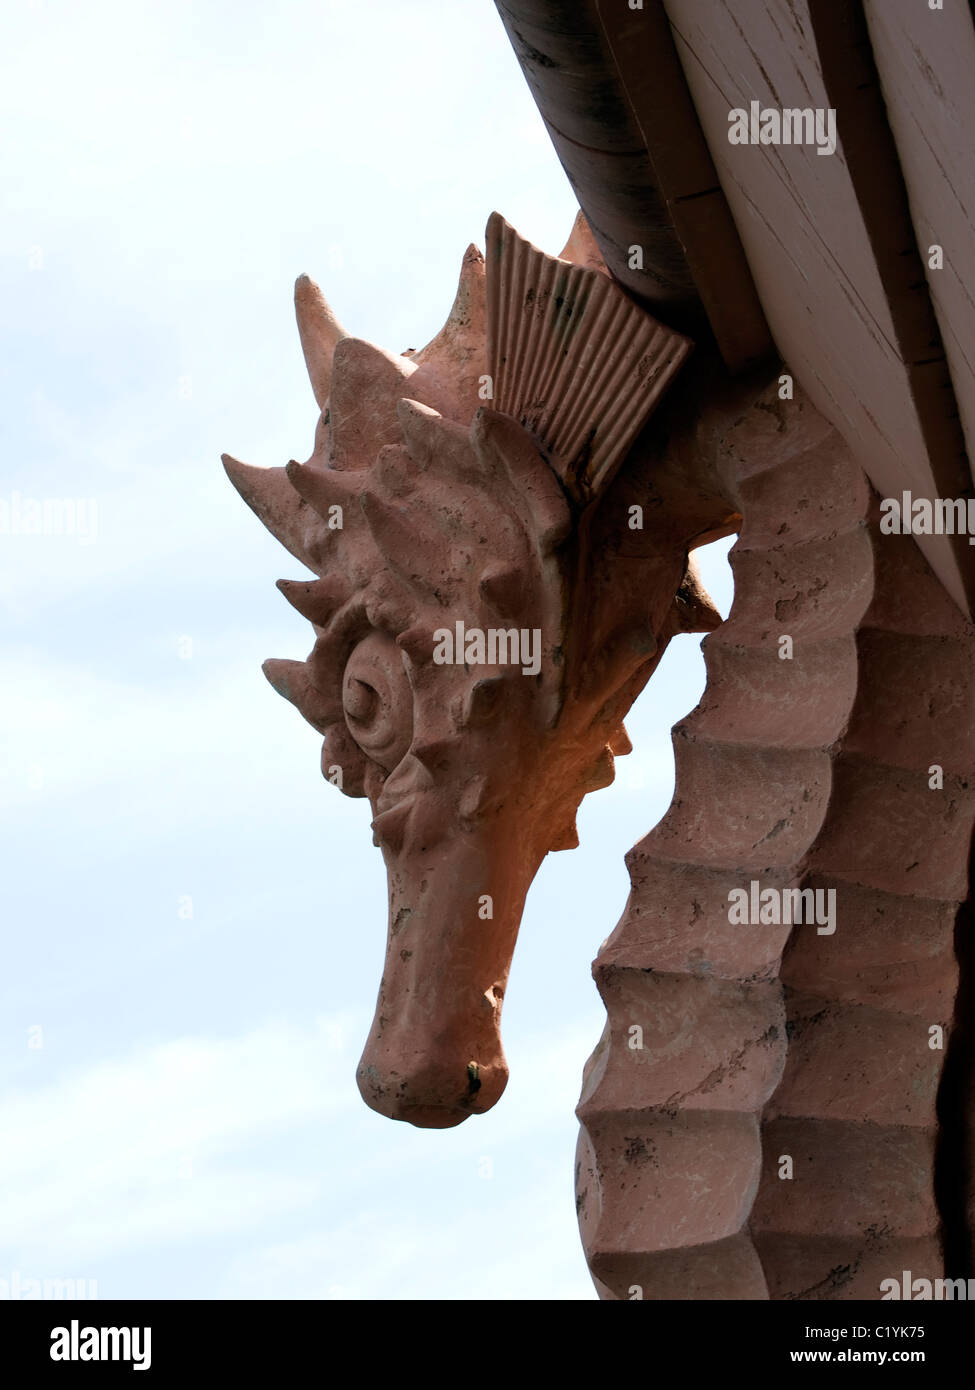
773, 246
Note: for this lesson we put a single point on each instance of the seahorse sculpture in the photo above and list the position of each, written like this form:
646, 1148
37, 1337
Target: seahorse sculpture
496, 583
500, 535
796, 1119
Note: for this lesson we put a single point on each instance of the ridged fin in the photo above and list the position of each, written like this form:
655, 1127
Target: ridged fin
572, 358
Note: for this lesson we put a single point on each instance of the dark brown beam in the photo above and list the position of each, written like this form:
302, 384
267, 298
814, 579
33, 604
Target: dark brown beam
612, 94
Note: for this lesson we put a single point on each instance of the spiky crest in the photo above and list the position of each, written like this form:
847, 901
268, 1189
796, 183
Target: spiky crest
458, 504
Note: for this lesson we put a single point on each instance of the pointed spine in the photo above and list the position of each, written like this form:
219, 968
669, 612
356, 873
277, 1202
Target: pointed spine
315, 599
270, 495
321, 488
290, 680
320, 333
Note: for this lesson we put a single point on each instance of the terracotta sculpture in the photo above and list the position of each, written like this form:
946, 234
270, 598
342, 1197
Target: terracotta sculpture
486, 611
775, 1112
501, 537
780, 1111
501, 527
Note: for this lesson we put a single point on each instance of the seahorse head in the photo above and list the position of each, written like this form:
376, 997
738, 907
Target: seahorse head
474, 655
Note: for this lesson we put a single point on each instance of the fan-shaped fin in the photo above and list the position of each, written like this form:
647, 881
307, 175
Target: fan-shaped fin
270, 495
320, 333
572, 358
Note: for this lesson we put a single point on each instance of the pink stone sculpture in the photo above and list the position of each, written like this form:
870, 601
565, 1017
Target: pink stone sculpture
767, 1114
508, 479
486, 609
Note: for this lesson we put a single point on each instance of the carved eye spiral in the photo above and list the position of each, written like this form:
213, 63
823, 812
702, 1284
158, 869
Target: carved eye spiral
377, 700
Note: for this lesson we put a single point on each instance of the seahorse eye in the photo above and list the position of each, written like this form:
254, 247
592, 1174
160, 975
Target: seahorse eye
377, 700
359, 700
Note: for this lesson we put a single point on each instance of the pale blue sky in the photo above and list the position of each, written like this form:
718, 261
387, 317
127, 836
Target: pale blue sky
190, 1124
